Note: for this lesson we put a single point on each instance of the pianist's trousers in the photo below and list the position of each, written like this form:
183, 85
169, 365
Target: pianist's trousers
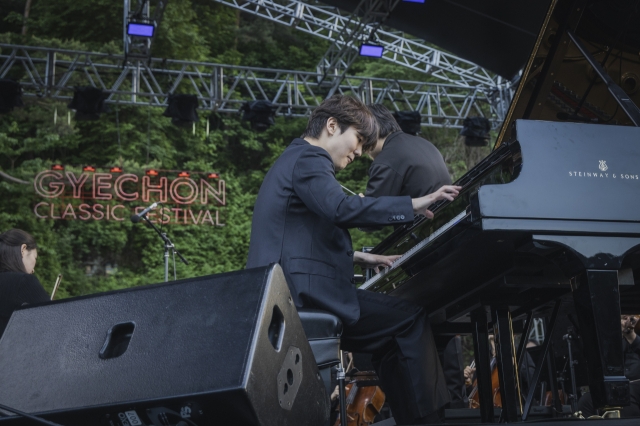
398, 335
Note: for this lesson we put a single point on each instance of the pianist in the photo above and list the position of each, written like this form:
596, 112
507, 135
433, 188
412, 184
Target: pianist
403, 164
300, 220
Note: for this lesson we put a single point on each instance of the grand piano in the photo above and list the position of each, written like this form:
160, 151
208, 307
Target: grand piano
553, 211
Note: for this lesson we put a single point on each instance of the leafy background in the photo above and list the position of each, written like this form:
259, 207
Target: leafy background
99, 256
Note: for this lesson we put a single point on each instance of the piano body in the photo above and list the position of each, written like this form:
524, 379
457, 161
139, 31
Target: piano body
553, 211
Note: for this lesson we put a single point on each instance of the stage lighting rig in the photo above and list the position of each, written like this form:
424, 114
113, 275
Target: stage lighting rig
259, 113
140, 25
371, 50
88, 103
182, 109
409, 121
10, 95
476, 131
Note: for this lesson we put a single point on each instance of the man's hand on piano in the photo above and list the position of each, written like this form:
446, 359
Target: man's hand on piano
446, 192
373, 261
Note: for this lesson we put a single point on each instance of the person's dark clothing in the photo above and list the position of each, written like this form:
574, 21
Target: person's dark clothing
632, 372
585, 404
16, 289
300, 220
631, 358
407, 165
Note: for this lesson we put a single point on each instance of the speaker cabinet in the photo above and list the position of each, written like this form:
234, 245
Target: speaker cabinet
226, 349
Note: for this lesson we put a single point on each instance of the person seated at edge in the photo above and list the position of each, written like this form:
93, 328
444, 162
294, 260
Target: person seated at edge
300, 220
631, 352
18, 285
403, 164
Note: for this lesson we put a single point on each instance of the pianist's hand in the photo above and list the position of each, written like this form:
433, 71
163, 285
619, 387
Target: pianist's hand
372, 261
446, 192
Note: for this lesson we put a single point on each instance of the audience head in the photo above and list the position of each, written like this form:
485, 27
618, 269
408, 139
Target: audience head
18, 251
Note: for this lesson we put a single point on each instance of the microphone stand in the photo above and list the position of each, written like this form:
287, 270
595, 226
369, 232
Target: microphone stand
168, 245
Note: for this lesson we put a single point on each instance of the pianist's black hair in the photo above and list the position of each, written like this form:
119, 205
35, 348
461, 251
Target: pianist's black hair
348, 112
387, 123
10, 249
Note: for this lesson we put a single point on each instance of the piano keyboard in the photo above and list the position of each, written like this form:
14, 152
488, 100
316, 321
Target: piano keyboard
463, 215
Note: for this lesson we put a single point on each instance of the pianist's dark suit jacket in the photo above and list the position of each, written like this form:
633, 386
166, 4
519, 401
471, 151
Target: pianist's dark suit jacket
300, 220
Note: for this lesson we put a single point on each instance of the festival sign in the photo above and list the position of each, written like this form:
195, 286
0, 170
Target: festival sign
184, 198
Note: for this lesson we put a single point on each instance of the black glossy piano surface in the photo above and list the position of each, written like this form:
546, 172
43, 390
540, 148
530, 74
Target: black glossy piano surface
534, 214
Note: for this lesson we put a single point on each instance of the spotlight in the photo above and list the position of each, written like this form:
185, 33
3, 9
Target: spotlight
475, 131
182, 109
88, 102
213, 176
57, 167
88, 169
151, 172
183, 174
140, 29
116, 169
10, 95
371, 50
259, 113
409, 121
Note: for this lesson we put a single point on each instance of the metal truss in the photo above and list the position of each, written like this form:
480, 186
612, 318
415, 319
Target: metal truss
340, 56
140, 47
328, 23
53, 73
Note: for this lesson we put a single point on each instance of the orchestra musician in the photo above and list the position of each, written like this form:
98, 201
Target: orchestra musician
18, 285
631, 350
300, 220
403, 164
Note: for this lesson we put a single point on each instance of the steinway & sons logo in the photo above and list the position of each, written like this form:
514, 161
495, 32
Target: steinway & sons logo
604, 174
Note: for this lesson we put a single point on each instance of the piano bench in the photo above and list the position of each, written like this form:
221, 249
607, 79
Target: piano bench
323, 331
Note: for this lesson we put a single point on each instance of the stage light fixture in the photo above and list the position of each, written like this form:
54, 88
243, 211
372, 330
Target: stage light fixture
413, 1
409, 121
260, 114
213, 176
116, 169
10, 95
184, 174
88, 102
140, 29
57, 167
88, 169
182, 109
371, 50
151, 172
476, 131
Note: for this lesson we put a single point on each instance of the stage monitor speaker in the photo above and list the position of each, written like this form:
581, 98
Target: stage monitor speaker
225, 349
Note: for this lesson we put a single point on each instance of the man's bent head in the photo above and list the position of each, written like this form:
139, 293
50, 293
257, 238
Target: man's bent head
344, 127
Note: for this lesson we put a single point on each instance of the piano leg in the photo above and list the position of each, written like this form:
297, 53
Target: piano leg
505, 355
483, 364
597, 301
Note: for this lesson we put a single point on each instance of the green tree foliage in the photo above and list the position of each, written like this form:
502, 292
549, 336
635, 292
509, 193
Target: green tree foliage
103, 255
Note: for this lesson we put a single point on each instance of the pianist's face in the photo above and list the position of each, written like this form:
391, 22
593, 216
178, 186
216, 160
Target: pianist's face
343, 147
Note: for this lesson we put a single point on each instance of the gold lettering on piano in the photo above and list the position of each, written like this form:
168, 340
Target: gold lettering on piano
602, 174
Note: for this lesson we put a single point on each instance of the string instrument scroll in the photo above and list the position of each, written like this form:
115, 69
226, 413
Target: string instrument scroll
56, 285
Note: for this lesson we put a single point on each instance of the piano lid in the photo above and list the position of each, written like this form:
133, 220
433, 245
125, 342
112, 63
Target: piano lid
559, 83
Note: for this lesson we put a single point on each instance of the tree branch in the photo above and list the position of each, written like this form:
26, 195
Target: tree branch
12, 179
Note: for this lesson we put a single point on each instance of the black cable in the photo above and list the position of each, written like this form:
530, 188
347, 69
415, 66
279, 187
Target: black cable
28, 416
